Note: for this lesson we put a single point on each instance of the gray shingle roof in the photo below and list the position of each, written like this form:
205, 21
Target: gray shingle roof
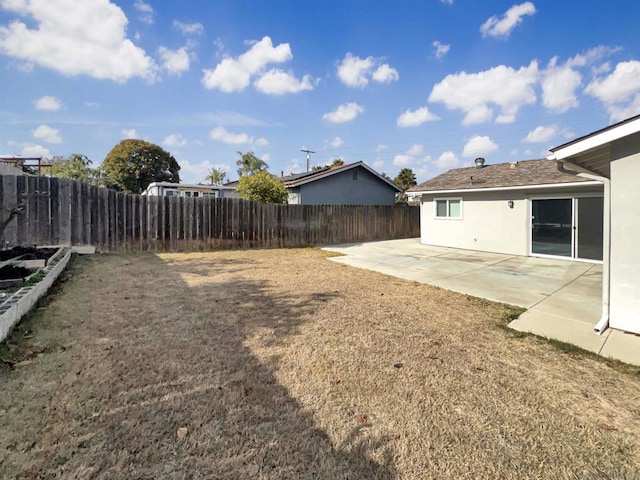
510, 174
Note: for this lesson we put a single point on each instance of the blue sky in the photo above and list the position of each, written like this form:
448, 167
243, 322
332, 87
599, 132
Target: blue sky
428, 85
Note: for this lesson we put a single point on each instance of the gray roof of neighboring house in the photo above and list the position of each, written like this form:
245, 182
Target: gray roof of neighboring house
510, 174
299, 179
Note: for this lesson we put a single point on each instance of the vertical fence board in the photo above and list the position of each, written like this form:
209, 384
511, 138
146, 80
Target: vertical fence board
9, 201
61, 211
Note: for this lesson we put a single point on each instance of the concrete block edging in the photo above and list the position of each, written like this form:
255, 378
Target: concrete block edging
22, 301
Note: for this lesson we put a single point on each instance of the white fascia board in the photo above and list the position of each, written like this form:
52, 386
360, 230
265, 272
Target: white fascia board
504, 189
596, 140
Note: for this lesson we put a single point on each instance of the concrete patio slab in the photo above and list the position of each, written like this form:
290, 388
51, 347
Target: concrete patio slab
622, 346
562, 297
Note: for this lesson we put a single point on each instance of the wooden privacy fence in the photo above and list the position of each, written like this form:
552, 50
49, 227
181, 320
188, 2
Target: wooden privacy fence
60, 211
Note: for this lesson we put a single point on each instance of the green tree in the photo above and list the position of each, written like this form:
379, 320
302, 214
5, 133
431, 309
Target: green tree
76, 167
262, 186
248, 164
338, 162
133, 164
216, 176
405, 179
387, 177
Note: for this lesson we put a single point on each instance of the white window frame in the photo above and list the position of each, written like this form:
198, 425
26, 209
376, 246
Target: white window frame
447, 199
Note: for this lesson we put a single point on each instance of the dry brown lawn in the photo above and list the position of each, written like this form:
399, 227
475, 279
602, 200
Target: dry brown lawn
281, 364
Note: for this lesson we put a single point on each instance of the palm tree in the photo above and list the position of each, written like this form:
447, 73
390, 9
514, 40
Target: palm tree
216, 176
405, 180
248, 164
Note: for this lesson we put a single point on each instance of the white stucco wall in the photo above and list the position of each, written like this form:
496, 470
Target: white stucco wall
488, 224
624, 301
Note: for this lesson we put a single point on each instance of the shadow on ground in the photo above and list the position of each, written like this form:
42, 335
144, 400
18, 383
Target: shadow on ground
157, 350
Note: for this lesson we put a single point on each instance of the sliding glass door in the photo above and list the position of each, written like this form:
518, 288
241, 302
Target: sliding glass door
567, 227
589, 232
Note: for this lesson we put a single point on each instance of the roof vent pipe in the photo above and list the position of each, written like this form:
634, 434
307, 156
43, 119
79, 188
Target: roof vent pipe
479, 162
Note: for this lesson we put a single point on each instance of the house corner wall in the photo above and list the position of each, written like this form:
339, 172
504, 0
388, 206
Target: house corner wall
624, 307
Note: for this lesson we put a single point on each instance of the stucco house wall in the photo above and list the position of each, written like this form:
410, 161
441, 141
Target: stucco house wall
625, 232
487, 223
355, 186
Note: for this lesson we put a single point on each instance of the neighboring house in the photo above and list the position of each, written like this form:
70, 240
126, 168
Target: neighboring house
519, 208
168, 189
349, 184
14, 165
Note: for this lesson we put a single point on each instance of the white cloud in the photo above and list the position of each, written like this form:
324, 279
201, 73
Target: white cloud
416, 149
447, 160
75, 38
279, 82
502, 27
129, 133
619, 86
447, 2
48, 103
145, 11
472, 93
602, 68
378, 164
416, 117
559, 86
189, 28
35, 151
335, 142
385, 74
478, 146
174, 140
293, 167
234, 74
344, 113
619, 91
441, 49
381, 147
30, 149
541, 134
47, 134
266, 157
403, 160
592, 55
174, 62
354, 71
220, 134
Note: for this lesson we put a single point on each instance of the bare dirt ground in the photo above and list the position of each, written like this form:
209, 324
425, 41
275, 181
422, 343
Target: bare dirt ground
281, 364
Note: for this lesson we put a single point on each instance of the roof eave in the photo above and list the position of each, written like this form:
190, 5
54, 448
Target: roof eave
503, 189
595, 139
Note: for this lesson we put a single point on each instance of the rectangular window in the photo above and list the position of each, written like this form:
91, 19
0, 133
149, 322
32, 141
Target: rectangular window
448, 208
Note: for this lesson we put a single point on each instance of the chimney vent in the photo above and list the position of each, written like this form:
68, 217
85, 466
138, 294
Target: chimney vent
479, 162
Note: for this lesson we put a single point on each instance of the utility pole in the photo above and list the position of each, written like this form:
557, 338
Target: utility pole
308, 152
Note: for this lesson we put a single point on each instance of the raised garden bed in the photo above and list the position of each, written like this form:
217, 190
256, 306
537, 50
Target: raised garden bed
26, 273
